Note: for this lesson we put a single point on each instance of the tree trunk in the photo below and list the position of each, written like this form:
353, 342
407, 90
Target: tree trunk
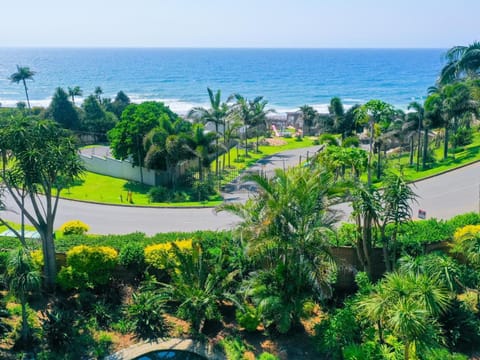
370, 151
50, 267
26, 94
25, 328
217, 153
425, 148
445, 144
419, 145
379, 169
411, 151
367, 238
385, 250
246, 142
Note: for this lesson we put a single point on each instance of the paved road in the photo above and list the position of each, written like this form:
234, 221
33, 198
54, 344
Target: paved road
106, 219
442, 197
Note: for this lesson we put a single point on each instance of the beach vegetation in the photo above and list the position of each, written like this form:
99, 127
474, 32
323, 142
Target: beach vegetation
95, 120
126, 138
22, 75
63, 111
74, 91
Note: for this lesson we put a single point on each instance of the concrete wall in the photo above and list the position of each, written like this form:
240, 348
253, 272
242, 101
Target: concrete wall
117, 168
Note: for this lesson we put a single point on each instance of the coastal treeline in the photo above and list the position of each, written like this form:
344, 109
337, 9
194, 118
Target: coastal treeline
407, 289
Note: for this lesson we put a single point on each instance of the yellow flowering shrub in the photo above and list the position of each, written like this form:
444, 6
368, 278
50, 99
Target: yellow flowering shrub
466, 232
88, 266
37, 258
74, 227
158, 255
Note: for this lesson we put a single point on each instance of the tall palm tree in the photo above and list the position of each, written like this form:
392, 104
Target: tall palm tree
98, 94
216, 114
420, 115
309, 115
463, 62
202, 141
337, 111
75, 91
23, 73
372, 113
252, 113
22, 279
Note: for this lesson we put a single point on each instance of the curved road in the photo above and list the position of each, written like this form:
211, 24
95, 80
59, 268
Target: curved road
441, 197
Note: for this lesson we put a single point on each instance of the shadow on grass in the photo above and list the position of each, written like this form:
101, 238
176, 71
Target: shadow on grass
137, 187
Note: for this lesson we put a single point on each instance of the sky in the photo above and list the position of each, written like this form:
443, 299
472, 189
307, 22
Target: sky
241, 23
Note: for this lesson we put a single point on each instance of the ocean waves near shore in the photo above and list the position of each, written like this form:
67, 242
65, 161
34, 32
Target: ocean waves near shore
287, 78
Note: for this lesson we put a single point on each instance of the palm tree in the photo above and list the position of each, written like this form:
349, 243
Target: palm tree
216, 115
22, 74
309, 115
463, 62
285, 226
22, 279
337, 111
98, 94
75, 91
252, 113
420, 115
201, 146
371, 113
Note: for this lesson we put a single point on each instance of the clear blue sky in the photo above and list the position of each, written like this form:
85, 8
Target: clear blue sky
243, 23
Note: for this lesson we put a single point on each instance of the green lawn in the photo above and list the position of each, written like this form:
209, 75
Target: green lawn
109, 190
237, 157
105, 189
463, 156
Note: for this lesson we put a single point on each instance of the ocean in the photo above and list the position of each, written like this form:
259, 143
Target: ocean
287, 78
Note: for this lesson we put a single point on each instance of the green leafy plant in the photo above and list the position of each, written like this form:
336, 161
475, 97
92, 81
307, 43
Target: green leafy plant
248, 317
146, 315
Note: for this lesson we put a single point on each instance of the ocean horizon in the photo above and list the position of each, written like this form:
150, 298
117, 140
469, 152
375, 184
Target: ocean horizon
287, 77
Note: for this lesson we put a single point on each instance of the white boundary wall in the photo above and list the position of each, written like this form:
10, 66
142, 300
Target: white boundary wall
116, 168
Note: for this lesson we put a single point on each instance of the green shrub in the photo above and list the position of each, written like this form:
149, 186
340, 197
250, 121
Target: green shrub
159, 194
201, 190
337, 331
3, 261
146, 316
463, 136
132, 256
74, 227
103, 345
234, 348
328, 139
248, 317
351, 141
368, 350
471, 218
345, 235
267, 356
58, 329
88, 266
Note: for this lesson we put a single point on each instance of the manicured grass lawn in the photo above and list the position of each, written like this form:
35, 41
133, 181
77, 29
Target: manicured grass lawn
237, 157
463, 156
110, 190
